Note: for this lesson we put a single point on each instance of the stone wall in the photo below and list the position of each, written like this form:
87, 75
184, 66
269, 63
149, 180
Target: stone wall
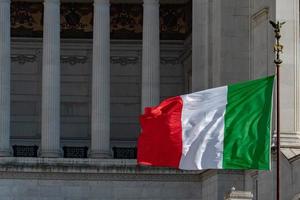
100, 190
26, 91
42, 178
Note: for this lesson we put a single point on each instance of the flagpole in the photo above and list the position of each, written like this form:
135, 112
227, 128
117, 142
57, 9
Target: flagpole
277, 49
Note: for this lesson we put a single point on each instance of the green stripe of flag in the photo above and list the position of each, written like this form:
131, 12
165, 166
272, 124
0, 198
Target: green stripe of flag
247, 125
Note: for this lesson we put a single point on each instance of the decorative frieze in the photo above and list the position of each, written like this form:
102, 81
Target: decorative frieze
76, 20
23, 58
169, 60
175, 21
26, 19
124, 60
73, 60
125, 20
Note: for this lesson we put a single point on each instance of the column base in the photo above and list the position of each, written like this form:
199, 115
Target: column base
5, 153
100, 154
50, 153
289, 140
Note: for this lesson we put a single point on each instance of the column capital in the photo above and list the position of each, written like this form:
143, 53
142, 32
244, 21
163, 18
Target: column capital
101, 2
151, 2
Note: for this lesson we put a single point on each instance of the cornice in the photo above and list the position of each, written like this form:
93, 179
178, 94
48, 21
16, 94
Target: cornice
89, 169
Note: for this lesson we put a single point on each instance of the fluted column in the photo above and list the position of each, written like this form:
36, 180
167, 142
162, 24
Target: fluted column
51, 80
4, 77
100, 141
151, 55
200, 45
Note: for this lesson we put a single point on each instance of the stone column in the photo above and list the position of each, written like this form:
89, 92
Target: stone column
4, 77
100, 147
151, 55
51, 80
200, 43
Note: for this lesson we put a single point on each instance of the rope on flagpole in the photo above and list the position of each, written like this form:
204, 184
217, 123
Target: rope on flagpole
277, 50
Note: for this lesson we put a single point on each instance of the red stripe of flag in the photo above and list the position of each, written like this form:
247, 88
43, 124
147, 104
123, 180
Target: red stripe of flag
160, 142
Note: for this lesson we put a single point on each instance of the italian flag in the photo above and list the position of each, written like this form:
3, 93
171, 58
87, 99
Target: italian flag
227, 127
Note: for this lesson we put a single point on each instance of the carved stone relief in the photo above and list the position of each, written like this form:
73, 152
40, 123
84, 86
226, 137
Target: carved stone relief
77, 20
23, 58
73, 60
124, 60
169, 60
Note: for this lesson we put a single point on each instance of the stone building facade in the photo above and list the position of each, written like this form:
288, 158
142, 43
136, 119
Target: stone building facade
75, 76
